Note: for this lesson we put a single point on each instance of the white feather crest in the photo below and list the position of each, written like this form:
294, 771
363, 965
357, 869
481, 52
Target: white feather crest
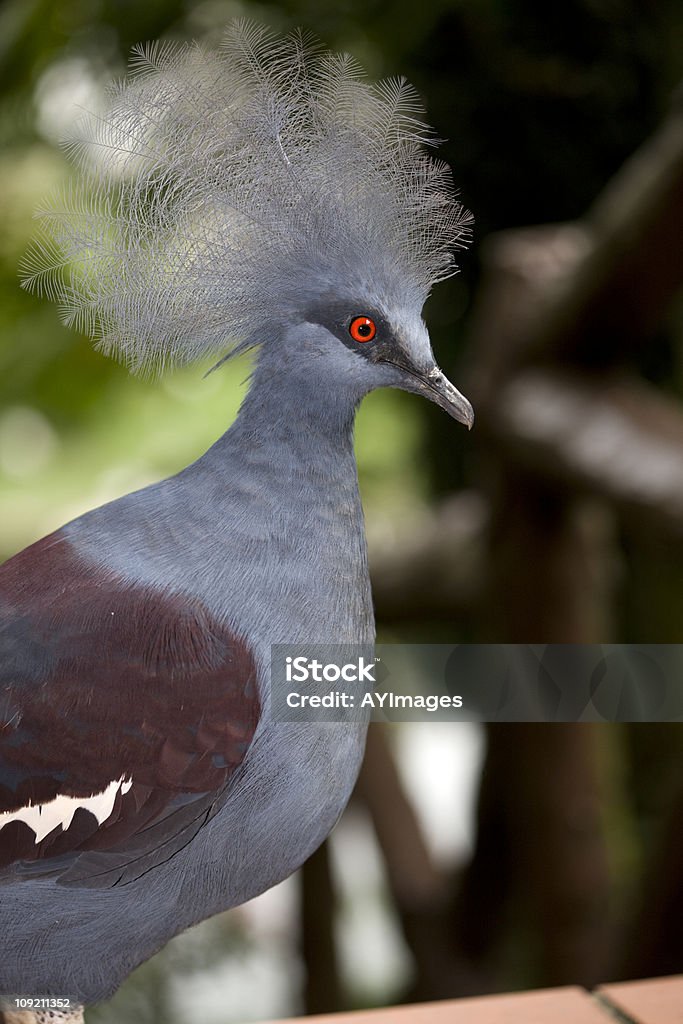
224, 191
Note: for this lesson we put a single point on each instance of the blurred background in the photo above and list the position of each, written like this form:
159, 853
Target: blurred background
470, 860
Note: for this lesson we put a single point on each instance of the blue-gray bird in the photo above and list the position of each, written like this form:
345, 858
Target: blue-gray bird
265, 197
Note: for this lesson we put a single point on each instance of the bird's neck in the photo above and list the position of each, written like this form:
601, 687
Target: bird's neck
291, 422
281, 485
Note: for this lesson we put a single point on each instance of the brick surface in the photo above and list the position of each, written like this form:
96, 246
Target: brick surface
547, 1006
656, 1001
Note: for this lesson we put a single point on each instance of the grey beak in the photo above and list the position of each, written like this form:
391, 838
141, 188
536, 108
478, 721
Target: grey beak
435, 385
439, 390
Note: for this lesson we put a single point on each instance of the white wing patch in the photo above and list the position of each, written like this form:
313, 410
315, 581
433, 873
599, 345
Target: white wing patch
43, 818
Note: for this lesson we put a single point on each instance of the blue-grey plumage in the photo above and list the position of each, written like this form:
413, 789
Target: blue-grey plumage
237, 212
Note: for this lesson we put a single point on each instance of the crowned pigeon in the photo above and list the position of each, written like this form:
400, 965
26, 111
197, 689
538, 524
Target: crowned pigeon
266, 197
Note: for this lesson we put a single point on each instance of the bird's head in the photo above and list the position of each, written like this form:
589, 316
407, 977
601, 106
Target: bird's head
266, 196
357, 346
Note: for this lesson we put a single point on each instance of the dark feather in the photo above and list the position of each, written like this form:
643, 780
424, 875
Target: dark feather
101, 680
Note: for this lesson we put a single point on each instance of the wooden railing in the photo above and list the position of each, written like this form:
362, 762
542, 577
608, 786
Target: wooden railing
656, 1001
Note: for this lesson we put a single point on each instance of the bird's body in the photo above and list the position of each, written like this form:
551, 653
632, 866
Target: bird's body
144, 783
296, 777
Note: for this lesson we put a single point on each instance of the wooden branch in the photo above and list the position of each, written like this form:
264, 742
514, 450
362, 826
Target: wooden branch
322, 986
614, 437
654, 942
412, 874
559, 847
421, 892
554, 289
540, 853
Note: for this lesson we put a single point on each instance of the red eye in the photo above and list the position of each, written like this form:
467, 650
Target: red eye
362, 328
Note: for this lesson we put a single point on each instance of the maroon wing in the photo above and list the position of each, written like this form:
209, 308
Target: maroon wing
131, 700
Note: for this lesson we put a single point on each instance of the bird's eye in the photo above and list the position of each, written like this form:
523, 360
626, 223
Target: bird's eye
362, 328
